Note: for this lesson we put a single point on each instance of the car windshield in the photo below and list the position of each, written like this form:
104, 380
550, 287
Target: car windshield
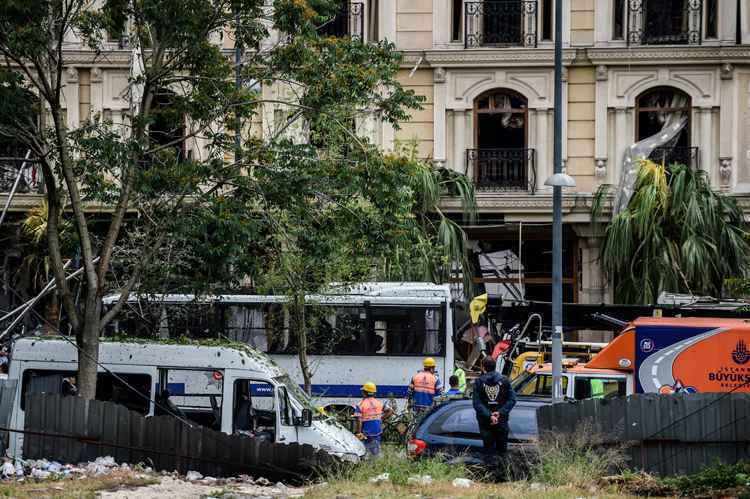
521, 380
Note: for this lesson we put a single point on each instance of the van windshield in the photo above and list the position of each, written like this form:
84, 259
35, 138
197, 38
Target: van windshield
296, 392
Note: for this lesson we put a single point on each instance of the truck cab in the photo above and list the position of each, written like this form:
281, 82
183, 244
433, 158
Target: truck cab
578, 382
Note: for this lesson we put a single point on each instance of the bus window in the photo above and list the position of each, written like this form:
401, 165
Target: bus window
109, 388
409, 330
195, 393
264, 326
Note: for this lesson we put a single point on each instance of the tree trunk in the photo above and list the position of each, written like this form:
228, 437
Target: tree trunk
299, 325
88, 350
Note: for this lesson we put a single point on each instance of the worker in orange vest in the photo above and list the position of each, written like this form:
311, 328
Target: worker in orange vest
425, 386
371, 412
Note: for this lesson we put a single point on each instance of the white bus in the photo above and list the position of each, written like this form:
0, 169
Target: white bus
378, 332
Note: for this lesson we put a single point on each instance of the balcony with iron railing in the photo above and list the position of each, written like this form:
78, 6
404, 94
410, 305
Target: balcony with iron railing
348, 21
500, 23
688, 156
664, 22
507, 169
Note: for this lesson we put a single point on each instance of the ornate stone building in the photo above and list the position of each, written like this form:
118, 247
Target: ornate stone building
631, 68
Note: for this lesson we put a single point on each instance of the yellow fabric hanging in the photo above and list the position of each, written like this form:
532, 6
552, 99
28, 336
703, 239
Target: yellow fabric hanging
477, 307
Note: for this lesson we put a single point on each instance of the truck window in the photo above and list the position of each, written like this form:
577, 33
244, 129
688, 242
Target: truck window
596, 387
108, 387
254, 411
539, 385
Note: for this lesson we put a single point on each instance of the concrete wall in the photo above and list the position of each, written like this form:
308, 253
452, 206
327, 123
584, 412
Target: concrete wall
420, 128
581, 120
414, 24
582, 22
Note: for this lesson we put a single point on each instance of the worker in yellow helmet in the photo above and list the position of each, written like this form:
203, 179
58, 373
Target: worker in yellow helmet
370, 413
425, 386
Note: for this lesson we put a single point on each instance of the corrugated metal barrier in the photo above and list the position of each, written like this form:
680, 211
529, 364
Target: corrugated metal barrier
663, 434
70, 429
7, 396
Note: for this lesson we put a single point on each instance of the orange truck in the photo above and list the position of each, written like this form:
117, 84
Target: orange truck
656, 355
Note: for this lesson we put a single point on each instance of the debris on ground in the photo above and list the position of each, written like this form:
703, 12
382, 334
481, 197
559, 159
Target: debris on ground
385, 477
44, 477
419, 480
462, 483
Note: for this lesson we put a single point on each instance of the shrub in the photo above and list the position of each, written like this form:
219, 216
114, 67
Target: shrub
577, 459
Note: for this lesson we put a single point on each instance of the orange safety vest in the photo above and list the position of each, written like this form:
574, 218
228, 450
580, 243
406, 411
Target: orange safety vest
424, 382
370, 409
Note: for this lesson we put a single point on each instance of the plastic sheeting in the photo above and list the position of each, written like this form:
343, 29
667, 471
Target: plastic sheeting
673, 124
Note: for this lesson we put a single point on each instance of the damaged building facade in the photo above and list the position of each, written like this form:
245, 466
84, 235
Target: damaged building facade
669, 76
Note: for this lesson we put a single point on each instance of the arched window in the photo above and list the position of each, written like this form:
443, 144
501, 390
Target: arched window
502, 159
663, 116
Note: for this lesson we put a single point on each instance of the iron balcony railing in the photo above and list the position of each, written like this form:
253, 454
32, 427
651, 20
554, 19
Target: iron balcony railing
500, 23
505, 169
688, 156
665, 22
31, 177
349, 21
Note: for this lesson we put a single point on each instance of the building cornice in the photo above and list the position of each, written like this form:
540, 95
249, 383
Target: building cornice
669, 54
506, 57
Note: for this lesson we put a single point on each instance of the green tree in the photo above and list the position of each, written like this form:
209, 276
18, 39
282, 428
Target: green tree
309, 203
676, 235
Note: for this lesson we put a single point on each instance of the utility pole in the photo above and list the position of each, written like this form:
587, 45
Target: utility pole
557, 394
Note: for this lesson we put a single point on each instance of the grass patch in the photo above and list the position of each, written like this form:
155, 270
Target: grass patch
72, 486
579, 459
725, 480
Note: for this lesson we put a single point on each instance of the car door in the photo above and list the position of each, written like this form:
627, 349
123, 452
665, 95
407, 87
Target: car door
453, 429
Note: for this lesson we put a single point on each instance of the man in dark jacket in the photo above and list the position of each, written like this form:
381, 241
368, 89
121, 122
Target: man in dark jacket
493, 399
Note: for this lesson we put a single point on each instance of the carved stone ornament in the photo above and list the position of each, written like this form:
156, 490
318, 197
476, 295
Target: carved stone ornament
727, 71
725, 169
602, 73
71, 73
565, 165
565, 73
96, 74
438, 75
601, 168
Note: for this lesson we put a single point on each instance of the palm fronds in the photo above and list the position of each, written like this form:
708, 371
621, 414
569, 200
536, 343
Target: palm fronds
676, 235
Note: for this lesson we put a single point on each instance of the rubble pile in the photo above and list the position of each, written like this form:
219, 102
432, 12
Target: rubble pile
41, 469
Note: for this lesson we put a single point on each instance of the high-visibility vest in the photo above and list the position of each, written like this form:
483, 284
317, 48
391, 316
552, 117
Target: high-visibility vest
424, 382
370, 409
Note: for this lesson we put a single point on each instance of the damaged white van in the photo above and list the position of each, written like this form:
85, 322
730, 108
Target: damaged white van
233, 389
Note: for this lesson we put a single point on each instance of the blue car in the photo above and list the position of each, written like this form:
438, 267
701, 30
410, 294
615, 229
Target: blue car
451, 428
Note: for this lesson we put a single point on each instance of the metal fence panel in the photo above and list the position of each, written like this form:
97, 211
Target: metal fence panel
666, 434
71, 429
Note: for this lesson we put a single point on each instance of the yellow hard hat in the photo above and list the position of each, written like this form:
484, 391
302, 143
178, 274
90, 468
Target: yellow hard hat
429, 362
369, 387
477, 307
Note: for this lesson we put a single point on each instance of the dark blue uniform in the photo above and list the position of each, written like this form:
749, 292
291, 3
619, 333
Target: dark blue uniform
493, 394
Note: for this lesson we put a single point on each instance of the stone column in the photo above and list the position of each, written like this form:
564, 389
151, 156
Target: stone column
601, 125
439, 118
727, 133
70, 96
97, 91
594, 287
705, 152
459, 142
543, 161
622, 133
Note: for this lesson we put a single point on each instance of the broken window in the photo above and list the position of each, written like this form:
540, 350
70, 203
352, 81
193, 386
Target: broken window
254, 410
665, 22
662, 134
193, 394
347, 21
502, 160
109, 387
663, 119
503, 23
167, 128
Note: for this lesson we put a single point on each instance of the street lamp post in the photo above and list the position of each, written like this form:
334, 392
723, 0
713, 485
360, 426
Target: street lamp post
557, 181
